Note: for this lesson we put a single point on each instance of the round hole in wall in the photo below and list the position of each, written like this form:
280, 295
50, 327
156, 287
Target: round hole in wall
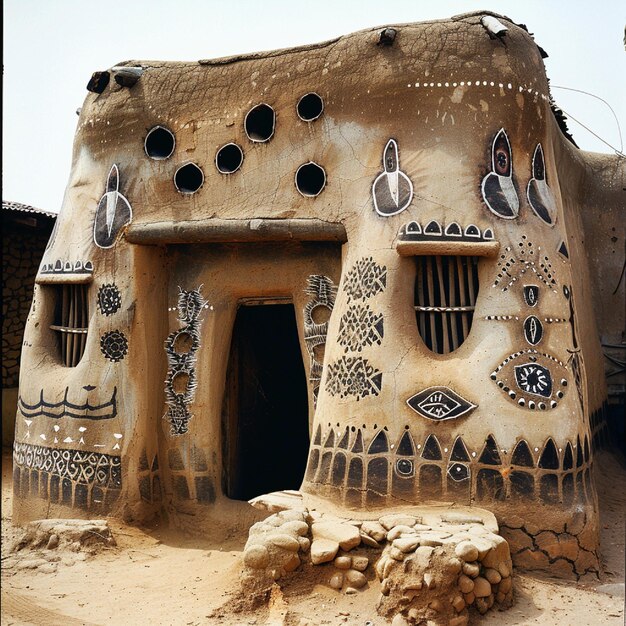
259, 123
310, 107
180, 383
310, 179
320, 313
159, 143
229, 158
183, 342
188, 178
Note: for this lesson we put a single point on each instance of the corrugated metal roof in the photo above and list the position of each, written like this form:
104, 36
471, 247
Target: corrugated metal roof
25, 208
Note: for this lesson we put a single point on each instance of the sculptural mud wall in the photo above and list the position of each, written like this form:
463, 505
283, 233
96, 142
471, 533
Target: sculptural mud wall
411, 196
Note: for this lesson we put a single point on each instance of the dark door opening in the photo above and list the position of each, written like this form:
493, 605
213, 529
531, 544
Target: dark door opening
265, 413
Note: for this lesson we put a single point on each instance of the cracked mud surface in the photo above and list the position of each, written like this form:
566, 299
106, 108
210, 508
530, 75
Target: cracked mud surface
161, 577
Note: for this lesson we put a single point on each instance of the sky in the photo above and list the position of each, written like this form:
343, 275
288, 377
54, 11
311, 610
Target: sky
51, 48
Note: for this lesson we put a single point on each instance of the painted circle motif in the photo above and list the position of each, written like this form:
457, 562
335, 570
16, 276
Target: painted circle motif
405, 467
109, 299
114, 345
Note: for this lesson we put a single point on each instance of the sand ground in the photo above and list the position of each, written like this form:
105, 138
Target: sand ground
157, 576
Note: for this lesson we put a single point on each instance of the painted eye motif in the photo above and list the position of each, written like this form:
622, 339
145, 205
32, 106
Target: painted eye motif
539, 194
498, 190
502, 162
502, 154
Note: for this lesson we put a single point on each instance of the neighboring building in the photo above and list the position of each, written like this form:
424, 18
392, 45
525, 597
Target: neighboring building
25, 233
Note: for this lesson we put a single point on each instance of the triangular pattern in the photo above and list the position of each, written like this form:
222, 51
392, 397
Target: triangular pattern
490, 454
318, 437
379, 444
345, 440
549, 457
568, 458
406, 447
357, 446
330, 440
459, 451
432, 449
522, 455
579, 453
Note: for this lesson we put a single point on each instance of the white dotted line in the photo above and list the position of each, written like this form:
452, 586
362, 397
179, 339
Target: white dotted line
478, 83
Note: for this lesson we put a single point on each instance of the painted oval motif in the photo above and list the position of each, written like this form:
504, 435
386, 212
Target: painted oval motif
533, 330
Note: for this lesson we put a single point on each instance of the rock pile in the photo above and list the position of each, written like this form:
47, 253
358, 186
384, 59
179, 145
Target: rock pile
434, 566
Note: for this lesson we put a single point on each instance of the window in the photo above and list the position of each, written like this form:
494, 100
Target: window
70, 322
446, 288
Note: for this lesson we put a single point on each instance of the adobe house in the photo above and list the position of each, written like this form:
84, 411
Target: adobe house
25, 233
364, 273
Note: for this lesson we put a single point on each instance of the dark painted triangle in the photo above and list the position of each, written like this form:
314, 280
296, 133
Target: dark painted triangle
459, 451
344, 440
330, 440
563, 250
579, 453
406, 447
432, 450
155, 463
318, 436
549, 458
586, 450
568, 458
522, 455
379, 444
490, 454
358, 442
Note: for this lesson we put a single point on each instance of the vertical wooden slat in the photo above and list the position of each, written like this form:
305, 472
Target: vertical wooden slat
443, 303
84, 320
452, 286
65, 316
463, 293
421, 276
75, 292
431, 300
472, 270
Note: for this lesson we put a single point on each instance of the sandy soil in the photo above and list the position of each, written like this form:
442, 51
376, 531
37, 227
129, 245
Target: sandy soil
156, 576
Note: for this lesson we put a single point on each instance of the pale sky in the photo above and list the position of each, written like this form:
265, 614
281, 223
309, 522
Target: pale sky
51, 48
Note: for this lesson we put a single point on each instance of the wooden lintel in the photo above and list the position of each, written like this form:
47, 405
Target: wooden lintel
235, 231
63, 278
457, 248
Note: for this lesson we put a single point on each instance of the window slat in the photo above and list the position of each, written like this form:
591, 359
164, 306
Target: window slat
446, 288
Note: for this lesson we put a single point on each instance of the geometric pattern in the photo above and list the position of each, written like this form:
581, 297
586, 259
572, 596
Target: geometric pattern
538, 382
440, 403
114, 345
360, 327
323, 292
365, 279
182, 363
88, 468
109, 299
524, 262
353, 376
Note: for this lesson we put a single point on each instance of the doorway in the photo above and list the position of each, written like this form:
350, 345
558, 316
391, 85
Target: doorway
265, 412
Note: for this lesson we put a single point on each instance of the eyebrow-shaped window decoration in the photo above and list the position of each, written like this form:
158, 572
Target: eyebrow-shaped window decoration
539, 194
392, 190
497, 187
113, 212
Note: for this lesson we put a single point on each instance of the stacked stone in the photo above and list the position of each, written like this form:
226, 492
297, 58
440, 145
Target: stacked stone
438, 571
274, 545
428, 571
332, 539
